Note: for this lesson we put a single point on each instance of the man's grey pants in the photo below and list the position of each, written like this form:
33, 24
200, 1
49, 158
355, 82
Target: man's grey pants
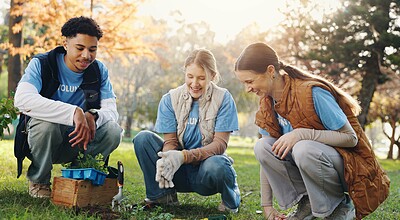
49, 144
312, 169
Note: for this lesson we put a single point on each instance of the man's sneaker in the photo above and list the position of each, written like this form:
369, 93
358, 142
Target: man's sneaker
169, 199
344, 211
303, 210
38, 190
223, 208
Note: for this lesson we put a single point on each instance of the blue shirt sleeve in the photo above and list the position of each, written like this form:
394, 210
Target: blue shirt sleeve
227, 118
106, 89
263, 132
32, 74
327, 109
166, 122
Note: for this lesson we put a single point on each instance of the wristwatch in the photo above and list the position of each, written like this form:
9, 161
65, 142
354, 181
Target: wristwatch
94, 113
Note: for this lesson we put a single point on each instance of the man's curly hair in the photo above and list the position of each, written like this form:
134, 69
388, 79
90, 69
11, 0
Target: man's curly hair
81, 25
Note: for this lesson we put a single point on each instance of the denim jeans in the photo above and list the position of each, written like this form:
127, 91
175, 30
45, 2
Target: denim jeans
312, 169
49, 144
211, 176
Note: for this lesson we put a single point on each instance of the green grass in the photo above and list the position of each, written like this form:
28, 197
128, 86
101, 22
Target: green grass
15, 202
3, 83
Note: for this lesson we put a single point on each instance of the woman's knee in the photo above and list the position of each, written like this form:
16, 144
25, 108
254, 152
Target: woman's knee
142, 136
142, 140
305, 150
262, 148
216, 165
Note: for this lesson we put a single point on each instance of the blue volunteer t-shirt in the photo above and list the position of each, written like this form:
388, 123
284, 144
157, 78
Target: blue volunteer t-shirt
327, 109
227, 120
68, 91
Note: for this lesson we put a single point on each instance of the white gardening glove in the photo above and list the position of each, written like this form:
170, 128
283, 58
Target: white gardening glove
159, 168
168, 184
173, 159
171, 184
162, 182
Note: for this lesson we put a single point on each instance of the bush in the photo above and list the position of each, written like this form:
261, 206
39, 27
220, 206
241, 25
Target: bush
7, 114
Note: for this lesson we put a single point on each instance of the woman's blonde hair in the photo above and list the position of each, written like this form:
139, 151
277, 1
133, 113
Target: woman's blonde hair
206, 60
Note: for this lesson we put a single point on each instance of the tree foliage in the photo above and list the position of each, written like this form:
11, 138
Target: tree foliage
7, 113
135, 87
124, 32
357, 48
149, 79
247, 103
362, 41
386, 108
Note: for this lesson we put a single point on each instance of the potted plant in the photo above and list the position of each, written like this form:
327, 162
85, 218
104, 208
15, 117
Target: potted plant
86, 167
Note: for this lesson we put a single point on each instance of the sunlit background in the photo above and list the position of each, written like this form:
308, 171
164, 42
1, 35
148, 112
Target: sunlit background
353, 43
227, 17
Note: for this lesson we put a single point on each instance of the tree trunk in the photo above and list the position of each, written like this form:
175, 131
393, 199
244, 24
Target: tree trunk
1, 60
391, 145
369, 83
390, 152
398, 151
91, 8
397, 143
128, 125
392, 139
14, 61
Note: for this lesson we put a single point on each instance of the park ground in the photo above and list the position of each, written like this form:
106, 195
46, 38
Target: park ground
15, 202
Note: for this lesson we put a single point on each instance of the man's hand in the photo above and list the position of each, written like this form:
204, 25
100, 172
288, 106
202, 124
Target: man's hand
173, 159
81, 134
92, 124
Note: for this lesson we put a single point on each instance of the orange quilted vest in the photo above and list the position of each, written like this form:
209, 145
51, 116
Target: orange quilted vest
367, 182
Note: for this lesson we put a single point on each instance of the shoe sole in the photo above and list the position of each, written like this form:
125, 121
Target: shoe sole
39, 196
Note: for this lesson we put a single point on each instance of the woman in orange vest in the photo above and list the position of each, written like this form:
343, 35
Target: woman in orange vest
313, 152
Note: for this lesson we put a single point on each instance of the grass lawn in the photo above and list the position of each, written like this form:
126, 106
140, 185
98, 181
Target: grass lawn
3, 83
15, 202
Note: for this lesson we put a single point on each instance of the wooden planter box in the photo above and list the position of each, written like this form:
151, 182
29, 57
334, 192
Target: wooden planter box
81, 193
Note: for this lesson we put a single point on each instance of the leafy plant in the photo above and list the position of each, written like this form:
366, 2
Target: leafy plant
7, 114
88, 161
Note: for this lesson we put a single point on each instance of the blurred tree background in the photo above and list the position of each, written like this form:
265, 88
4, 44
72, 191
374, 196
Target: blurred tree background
356, 46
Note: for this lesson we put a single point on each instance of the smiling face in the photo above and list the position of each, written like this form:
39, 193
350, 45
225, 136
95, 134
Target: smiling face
81, 52
196, 80
260, 84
